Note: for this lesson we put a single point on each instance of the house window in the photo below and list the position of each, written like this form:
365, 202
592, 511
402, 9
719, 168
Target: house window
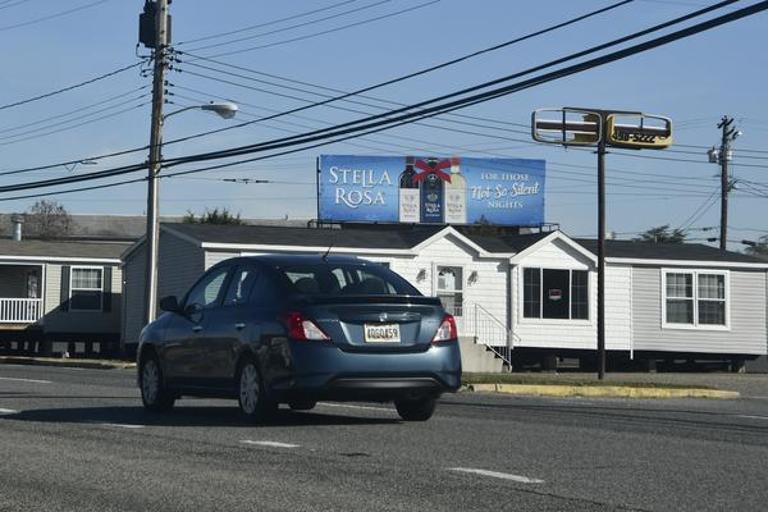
86, 289
695, 299
450, 286
555, 294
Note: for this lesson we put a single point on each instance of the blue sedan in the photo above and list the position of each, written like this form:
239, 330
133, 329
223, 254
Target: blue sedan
297, 329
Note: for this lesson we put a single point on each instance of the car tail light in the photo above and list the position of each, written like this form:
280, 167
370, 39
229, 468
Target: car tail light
303, 329
447, 330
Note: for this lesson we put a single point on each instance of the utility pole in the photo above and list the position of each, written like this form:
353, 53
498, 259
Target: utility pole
155, 155
723, 156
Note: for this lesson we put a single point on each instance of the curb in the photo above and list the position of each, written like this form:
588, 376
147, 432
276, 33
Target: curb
603, 391
92, 364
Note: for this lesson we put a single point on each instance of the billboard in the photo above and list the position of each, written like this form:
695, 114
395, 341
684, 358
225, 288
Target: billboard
412, 189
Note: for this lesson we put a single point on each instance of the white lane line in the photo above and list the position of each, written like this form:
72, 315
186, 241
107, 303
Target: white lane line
752, 417
361, 407
271, 444
8, 411
121, 425
495, 474
33, 381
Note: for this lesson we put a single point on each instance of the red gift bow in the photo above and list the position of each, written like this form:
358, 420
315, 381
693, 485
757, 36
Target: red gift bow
427, 170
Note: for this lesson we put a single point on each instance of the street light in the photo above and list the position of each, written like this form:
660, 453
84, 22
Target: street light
226, 110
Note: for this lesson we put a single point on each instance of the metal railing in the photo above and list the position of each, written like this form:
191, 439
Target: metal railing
487, 330
20, 311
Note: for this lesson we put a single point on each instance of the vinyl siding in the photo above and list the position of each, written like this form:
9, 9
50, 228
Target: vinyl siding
489, 289
747, 333
618, 307
180, 265
133, 291
554, 333
214, 257
86, 322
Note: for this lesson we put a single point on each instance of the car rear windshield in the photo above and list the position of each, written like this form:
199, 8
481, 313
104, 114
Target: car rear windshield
333, 279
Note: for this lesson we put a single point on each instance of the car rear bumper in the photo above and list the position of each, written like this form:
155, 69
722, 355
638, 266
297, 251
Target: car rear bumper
326, 372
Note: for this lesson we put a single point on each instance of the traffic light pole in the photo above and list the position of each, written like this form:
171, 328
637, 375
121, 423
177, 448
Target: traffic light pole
601, 151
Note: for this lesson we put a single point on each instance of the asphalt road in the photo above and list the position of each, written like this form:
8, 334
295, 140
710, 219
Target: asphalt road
75, 439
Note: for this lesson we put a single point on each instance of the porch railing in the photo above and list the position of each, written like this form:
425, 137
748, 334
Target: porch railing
20, 311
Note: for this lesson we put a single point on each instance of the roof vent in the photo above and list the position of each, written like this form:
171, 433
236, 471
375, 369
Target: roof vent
17, 221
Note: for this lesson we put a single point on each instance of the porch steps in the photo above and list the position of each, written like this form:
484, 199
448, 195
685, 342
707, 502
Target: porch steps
476, 358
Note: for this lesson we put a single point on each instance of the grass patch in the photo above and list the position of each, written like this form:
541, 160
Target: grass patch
566, 380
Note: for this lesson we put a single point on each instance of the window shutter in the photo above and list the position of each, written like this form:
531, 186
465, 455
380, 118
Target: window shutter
107, 302
64, 303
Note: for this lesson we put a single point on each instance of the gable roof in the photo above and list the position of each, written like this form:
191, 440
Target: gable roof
628, 249
57, 250
362, 238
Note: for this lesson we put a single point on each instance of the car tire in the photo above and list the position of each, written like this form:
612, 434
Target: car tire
252, 395
154, 394
302, 405
418, 409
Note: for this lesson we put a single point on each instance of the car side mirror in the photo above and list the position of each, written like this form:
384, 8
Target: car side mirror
170, 303
193, 309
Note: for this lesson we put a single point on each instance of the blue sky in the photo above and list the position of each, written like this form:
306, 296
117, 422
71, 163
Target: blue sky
694, 82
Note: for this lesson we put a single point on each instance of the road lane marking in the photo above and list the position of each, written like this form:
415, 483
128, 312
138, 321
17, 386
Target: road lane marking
361, 407
271, 444
8, 411
33, 381
748, 416
121, 425
495, 474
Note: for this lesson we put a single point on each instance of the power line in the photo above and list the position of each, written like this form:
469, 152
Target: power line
345, 95
66, 121
52, 16
291, 27
329, 31
266, 24
347, 132
373, 122
508, 89
67, 128
75, 111
71, 87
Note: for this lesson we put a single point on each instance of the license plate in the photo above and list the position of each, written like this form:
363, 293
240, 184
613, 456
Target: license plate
382, 333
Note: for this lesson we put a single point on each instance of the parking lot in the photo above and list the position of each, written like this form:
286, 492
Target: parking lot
75, 439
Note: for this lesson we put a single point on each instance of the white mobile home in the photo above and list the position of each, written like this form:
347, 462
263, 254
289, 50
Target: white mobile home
528, 297
60, 296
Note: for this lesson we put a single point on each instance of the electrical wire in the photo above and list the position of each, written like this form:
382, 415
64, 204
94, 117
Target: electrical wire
528, 83
291, 27
71, 87
306, 107
266, 24
320, 137
329, 31
52, 16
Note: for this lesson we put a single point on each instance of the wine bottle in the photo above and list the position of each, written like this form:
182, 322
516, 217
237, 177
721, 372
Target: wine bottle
408, 205
456, 195
432, 196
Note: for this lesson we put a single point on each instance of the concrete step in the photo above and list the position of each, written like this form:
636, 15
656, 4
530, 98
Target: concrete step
477, 358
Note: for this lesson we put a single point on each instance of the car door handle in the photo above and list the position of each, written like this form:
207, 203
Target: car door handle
197, 328
240, 326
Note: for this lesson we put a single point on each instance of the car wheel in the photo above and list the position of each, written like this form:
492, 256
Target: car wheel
419, 409
302, 405
154, 395
251, 393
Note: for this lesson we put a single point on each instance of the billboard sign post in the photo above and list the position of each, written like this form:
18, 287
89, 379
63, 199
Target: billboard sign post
600, 129
431, 190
